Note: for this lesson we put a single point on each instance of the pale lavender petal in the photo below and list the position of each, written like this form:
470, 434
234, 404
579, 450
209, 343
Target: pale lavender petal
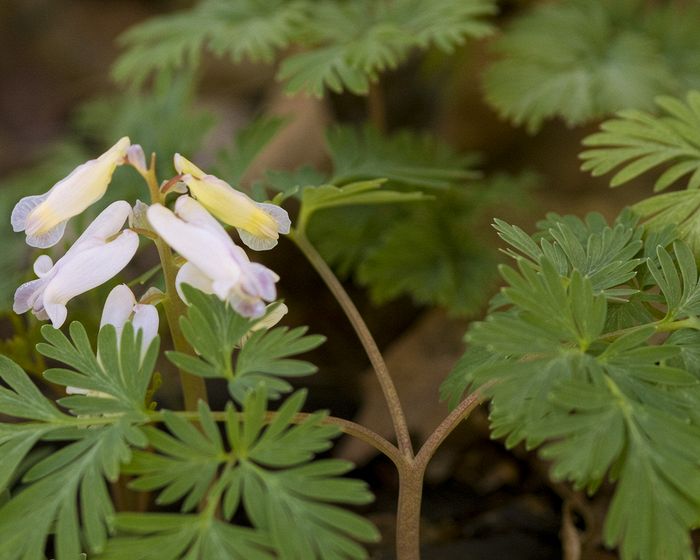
23, 208
42, 265
136, 157
27, 295
278, 214
257, 243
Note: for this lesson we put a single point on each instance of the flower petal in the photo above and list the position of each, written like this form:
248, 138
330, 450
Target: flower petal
42, 265
105, 225
146, 320
194, 213
43, 217
136, 158
207, 251
191, 275
85, 270
259, 242
118, 308
186, 167
27, 295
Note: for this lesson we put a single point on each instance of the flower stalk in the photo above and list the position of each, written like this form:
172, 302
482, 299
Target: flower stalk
193, 387
411, 467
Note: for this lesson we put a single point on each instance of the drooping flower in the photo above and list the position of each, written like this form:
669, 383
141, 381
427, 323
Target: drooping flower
120, 308
215, 264
100, 253
258, 223
43, 217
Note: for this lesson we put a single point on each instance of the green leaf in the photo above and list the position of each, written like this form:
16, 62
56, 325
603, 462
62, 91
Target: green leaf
675, 211
64, 489
404, 157
353, 42
678, 281
360, 193
121, 372
265, 469
550, 312
637, 142
603, 254
435, 253
228, 347
167, 536
265, 354
464, 373
187, 463
22, 399
245, 30
580, 60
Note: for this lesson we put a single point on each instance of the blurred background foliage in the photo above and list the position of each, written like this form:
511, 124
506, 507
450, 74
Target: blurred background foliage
479, 104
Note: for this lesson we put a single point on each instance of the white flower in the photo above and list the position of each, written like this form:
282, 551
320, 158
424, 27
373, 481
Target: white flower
215, 263
121, 307
43, 217
97, 255
258, 223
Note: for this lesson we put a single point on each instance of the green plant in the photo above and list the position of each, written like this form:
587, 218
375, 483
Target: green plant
580, 60
588, 353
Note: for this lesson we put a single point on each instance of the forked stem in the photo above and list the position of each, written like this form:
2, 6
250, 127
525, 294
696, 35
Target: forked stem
411, 468
375, 356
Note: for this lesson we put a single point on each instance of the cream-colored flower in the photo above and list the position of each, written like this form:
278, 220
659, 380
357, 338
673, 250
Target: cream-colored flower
99, 254
215, 264
258, 223
43, 217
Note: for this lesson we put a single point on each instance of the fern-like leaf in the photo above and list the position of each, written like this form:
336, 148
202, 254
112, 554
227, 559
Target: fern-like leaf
583, 59
636, 142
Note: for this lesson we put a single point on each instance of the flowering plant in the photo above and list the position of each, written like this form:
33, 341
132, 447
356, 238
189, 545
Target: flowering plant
588, 353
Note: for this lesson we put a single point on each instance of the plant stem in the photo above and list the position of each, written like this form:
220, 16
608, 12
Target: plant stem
346, 426
446, 427
376, 107
193, 387
408, 512
375, 357
662, 325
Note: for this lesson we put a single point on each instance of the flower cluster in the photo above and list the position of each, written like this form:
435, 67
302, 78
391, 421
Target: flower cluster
214, 263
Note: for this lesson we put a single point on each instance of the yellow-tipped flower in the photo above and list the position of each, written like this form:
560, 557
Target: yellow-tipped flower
43, 217
258, 223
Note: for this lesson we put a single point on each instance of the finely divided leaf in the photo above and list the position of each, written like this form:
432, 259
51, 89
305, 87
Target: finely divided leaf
637, 142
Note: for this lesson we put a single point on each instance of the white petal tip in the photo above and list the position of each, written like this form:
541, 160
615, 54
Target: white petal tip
278, 214
21, 211
256, 243
57, 313
48, 238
